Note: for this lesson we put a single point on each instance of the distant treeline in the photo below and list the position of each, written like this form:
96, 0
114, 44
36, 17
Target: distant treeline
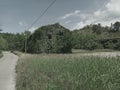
57, 39
9, 41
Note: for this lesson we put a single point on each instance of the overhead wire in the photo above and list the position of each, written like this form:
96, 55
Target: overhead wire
41, 15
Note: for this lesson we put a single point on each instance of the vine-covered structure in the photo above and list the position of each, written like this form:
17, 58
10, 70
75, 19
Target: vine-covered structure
50, 39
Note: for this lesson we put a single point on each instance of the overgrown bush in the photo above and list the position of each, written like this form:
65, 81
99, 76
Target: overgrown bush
117, 45
109, 44
50, 39
12, 41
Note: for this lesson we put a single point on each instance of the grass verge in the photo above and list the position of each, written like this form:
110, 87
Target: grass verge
17, 53
92, 51
1, 55
67, 72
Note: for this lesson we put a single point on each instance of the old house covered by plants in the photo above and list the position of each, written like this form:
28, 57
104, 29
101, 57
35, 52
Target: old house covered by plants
50, 39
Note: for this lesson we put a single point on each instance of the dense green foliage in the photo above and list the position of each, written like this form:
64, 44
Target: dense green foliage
50, 39
12, 41
3, 43
57, 39
68, 72
85, 41
97, 37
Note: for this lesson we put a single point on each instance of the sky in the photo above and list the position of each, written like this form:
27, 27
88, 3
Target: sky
18, 15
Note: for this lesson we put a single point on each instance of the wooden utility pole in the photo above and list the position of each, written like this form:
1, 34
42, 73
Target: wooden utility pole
27, 34
25, 43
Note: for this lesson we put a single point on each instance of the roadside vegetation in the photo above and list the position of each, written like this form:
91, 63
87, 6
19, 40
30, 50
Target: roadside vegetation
1, 54
92, 51
67, 72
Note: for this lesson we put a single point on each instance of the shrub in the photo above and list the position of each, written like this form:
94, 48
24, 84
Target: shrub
50, 39
117, 45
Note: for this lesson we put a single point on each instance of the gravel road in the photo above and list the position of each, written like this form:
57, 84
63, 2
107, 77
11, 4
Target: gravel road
7, 71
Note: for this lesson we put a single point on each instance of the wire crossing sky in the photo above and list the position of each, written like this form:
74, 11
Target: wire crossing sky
41, 15
19, 15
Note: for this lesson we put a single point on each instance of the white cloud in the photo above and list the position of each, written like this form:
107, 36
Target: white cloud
76, 12
21, 23
79, 25
69, 21
113, 7
82, 24
97, 13
33, 29
107, 15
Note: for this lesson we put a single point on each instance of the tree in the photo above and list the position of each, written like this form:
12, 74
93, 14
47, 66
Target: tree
85, 40
14, 41
115, 27
97, 28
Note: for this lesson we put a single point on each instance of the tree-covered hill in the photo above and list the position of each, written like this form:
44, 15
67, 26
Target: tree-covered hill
96, 37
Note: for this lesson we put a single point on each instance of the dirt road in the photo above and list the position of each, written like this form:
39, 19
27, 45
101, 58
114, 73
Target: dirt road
7, 71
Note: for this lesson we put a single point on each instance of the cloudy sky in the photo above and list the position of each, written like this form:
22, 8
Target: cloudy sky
18, 15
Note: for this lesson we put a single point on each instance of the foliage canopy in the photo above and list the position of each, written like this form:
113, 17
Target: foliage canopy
50, 39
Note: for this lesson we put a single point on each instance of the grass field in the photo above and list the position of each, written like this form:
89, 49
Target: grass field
92, 51
67, 72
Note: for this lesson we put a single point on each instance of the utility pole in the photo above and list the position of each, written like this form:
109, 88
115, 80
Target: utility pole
27, 34
25, 43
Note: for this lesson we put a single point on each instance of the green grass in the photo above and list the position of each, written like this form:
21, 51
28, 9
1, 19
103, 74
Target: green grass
67, 72
92, 51
1, 54
17, 53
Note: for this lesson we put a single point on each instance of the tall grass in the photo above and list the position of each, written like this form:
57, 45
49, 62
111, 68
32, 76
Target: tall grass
68, 72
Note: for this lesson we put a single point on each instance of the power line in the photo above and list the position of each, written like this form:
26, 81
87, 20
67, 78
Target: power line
41, 15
